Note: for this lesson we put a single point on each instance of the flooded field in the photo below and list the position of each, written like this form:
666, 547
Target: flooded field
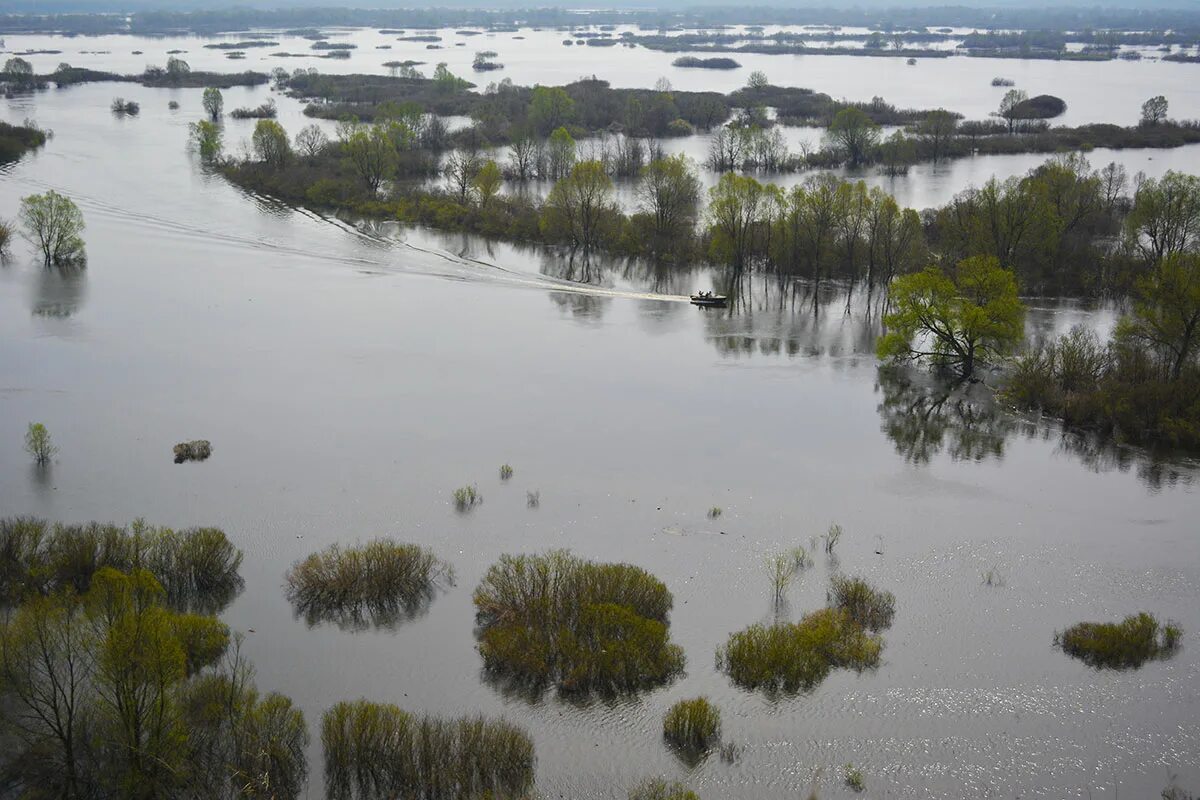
350, 377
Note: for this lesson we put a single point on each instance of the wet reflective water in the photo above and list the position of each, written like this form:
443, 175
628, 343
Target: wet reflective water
350, 377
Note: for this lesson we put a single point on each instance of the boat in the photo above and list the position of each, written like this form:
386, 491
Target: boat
709, 299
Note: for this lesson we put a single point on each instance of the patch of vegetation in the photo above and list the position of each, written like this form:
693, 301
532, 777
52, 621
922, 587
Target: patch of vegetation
383, 582
783, 567
533, 499
506, 472
377, 750
715, 512
1120, 645
1042, 106
867, 606
555, 619
196, 568
692, 725
122, 107
832, 536
195, 450
853, 778
706, 63
243, 45
17, 140
792, 657
661, 789
38, 443
266, 110
466, 498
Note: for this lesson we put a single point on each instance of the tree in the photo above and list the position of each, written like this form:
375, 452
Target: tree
898, 153
1010, 106
38, 444
460, 170
757, 80
937, 130
1165, 218
854, 133
213, 102
524, 153
560, 154
270, 143
579, 205
487, 182
19, 71
446, 81
958, 320
733, 213
207, 137
669, 192
177, 68
311, 141
1166, 312
550, 107
54, 224
1154, 110
370, 151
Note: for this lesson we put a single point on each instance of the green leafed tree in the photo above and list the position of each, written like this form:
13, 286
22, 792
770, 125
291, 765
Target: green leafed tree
271, 144
207, 137
550, 108
213, 102
957, 320
38, 443
855, 134
579, 206
53, 223
1166, 312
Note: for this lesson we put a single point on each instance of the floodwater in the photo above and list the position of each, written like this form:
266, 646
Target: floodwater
350, 377
1108, 91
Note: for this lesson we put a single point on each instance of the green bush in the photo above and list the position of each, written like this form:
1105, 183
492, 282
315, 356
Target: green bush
1120, 645
376, 751
792, 657
692, 724
661, 789
557, 619
384, 581
869, 607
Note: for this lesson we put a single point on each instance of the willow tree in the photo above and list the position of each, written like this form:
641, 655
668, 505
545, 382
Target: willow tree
579, 206
957, 320
854, 133
1166, 312
54, 224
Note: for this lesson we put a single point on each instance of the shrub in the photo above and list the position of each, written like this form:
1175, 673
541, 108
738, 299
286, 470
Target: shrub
506, 472
692, 724
467, 497
867, 606
121, 107
661, 789
384, 580
376, 750
1120, 645
265, 111
6, 236
854, 778
791, 657
197, 568
38, 443
832, 537
583, 626
196, 450
715, 512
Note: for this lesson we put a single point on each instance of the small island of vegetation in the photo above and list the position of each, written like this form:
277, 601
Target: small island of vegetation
1120, 645
716, 62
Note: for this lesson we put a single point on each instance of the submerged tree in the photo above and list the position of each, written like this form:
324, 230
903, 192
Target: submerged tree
1010, 106
579, 206
669, 192
271, 145
854, 133
213, 103
733, 211
1154, 110
207, 137
958, 320
38, 444
54, 224
1166, 313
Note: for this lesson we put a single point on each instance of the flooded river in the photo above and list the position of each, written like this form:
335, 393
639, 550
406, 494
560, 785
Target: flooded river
350, 377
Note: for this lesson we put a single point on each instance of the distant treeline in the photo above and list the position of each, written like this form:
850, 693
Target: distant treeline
1180, 22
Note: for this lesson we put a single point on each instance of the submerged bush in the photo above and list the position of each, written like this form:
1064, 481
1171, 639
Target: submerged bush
692, 724
197, 567
467, 497
791, 657
583, 626
376, 751
196, 450
384, 581
506, 472
1120, 645
661, 789
866, 605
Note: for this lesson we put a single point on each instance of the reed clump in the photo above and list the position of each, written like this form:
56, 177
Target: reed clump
582, 626
196, 450
869, 607
466, 498
382, 581
377, 751
661, 789
506, 472
792, 657
693, 725
853, 778
198, 568
1120, 645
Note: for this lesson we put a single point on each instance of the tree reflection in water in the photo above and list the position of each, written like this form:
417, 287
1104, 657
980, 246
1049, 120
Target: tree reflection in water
58, 292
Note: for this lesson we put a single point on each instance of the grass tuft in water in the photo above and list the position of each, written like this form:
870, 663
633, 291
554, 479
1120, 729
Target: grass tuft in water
783, 567
1120, 645
791, 657
383, 582
661, 789
692, 725
377, 750
854, 778
506, 472
869, 607
533, 499
831, 538
466, 498
557, 619
715, 512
